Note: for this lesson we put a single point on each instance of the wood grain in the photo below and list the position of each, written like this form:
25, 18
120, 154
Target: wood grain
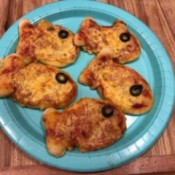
4, 10
140, 166
159, 15
18, 8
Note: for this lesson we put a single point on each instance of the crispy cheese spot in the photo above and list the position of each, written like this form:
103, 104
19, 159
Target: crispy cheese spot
138, 105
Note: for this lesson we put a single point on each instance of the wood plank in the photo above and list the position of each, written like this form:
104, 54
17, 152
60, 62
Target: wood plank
13, 156
4, 10
160, 24
140, 166
18, 8
159, 15
165, 145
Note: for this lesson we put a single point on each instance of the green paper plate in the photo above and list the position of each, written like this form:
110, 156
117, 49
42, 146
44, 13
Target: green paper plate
24, 126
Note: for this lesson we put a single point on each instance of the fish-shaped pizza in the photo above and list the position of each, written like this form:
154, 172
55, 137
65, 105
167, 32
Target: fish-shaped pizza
48, 43
119, 84
89, 124
93, 37
35, 85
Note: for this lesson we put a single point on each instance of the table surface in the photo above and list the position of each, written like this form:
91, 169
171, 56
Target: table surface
159, 15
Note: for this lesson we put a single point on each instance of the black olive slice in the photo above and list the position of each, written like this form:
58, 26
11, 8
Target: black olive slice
63, 34
107, 111
136, 90
61, 77
125, 37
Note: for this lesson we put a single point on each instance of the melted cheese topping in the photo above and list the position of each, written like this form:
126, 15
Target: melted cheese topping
82, 125
116, 82
42, 42
8, 66
36, 86
93, 38
113, 82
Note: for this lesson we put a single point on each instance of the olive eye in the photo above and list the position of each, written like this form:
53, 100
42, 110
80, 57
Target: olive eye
136, 90
63, 34
125, 37
61, 77
107, 111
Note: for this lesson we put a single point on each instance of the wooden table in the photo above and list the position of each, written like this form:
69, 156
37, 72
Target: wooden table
159, 15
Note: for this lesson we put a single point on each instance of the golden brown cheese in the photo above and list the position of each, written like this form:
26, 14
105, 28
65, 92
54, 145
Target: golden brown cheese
93, 37
8, 66
82, 125
43, 43
35, 85
116, 83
